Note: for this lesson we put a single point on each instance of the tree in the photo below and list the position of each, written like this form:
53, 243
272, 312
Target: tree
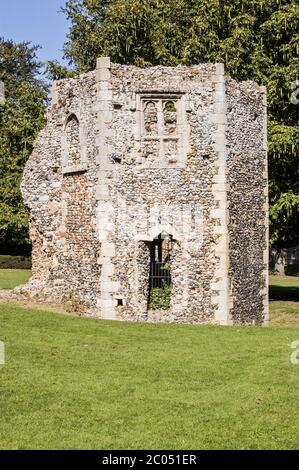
55, 71
256, 39
21, 117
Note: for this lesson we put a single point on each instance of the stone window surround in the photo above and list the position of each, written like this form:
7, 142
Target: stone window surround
83, 165
181, 136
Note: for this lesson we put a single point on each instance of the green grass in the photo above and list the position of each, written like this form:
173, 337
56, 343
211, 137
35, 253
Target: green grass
75, 383
10, 278
15, 262
284, 300
284, 281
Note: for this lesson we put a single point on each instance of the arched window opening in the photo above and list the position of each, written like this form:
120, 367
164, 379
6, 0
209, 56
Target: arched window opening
73, 140
151, 118
170, 117
160, 275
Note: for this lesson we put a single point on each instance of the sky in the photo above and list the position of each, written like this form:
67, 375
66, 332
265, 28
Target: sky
38, 21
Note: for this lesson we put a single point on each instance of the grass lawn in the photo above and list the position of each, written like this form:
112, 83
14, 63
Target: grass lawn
10, 278
15, 262
71, 382
284, 300
75, 383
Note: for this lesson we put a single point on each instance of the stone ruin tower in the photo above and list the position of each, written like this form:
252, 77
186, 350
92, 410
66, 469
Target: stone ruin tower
147, 194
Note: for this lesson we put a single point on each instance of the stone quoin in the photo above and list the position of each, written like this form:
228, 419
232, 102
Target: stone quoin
146, 177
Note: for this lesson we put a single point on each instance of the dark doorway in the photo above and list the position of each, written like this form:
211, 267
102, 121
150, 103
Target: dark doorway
160, 275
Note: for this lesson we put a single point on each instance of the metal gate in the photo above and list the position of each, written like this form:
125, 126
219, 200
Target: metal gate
159, 274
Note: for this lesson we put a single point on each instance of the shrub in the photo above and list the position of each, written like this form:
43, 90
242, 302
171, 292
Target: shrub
160, 297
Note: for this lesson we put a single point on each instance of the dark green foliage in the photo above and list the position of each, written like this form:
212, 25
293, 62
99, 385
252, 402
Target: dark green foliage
170, 107
256, 39
21, 117
55, 71
292, 270
160, 297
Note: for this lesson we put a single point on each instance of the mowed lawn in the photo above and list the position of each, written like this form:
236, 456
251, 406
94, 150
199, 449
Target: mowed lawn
10, 278
75, 383
284, 300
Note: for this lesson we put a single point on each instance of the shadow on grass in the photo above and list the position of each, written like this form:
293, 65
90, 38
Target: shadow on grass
284, 293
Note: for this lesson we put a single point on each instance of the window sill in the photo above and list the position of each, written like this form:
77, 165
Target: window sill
67, 170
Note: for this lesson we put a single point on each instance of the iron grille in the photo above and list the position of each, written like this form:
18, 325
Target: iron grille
159, 275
